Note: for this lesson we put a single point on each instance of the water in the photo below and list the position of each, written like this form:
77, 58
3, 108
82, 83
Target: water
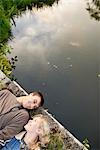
58, 54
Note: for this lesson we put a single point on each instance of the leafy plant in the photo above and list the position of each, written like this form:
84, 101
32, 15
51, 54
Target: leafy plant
56, 142
6, 65
86, 143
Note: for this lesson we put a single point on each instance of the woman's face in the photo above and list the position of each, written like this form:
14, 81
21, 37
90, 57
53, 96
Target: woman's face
33, 125
32, 128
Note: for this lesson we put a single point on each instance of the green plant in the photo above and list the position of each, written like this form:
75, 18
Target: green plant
86, 143
56, 142
6, 65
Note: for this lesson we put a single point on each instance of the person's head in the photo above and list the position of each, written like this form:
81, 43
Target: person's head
39, 130
33, 100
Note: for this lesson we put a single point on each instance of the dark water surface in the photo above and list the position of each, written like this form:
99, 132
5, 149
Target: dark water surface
58, 54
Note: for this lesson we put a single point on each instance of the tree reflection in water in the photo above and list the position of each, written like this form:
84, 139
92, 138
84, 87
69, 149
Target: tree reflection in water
9, 9
94, 9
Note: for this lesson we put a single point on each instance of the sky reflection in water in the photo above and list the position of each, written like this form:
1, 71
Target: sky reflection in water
58, 53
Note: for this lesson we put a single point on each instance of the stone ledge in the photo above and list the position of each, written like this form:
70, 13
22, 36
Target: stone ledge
71, 143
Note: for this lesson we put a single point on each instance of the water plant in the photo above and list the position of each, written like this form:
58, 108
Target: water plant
86, 144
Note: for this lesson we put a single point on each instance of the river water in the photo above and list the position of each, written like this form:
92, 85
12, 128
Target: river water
58, 54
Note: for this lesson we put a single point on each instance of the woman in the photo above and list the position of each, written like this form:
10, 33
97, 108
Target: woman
36, 135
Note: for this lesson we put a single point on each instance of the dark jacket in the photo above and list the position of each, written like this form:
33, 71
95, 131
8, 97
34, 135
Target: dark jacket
12, 116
